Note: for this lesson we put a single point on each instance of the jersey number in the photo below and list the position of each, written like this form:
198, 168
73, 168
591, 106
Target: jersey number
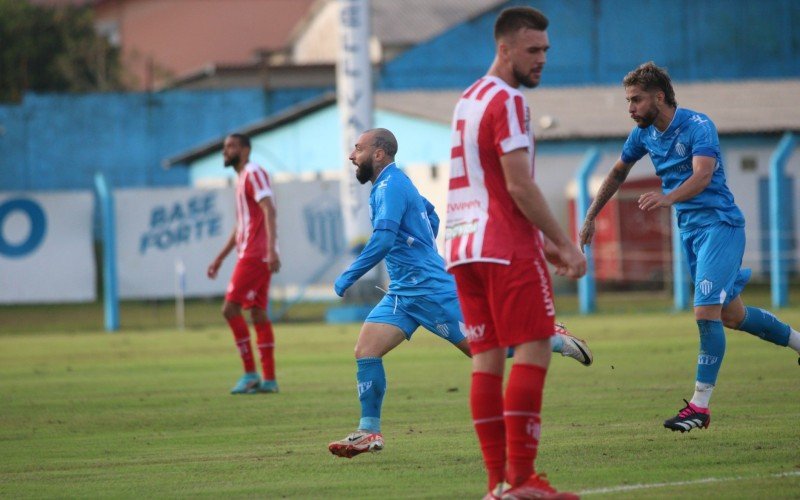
459, 177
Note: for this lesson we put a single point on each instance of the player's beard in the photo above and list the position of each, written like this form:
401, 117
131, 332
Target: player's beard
648, 118
524, 79
232, 161
365, 171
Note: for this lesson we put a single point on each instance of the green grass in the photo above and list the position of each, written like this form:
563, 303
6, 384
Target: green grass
146, 413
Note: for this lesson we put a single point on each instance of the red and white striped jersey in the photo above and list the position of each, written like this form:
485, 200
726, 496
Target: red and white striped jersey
483, 222
252, 186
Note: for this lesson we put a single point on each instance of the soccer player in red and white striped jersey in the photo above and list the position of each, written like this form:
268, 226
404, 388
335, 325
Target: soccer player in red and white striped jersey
499, 236
255, 240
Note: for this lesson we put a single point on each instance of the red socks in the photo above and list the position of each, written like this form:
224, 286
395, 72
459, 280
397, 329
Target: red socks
242, 336
486, 401
523, 404
266, 348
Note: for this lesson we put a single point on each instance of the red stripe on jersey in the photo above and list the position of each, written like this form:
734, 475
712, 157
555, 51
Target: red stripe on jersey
472, 89
454, 244
484, 90
520, 113
497, 115
470, 240
258, 179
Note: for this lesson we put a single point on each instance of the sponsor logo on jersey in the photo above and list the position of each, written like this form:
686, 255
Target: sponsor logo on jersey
382, 184
460, 230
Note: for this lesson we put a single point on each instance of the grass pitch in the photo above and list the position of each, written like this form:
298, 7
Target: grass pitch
148, 414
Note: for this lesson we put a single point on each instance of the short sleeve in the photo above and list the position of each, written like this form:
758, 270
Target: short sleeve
259, 180
509, 113
705, 141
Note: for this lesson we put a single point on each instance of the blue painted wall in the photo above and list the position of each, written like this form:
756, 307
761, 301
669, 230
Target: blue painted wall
313, 143
58, 141
599, 41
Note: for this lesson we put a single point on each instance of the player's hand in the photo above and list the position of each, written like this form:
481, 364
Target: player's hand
587, 233
573, 262
551, 253
213, 268
273, 262
340, 286
652, 200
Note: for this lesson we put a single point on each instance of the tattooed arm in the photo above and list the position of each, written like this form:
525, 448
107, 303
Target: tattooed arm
614, 179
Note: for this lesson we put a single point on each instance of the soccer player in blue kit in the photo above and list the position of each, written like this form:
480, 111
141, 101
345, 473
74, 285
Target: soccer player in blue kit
684, 148
421, 292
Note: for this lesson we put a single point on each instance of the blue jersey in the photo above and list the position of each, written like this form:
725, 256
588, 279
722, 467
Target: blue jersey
690, 134
413, 263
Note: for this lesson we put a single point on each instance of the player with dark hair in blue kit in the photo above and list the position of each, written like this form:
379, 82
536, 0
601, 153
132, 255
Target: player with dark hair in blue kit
421, 292
684, 147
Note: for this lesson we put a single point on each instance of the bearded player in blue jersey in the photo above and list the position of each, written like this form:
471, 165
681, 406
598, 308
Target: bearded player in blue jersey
684, 148
420, 292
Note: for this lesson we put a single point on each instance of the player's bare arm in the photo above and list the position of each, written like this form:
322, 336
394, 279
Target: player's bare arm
702, 170
213, 268
531, 202
614, 179
270, 224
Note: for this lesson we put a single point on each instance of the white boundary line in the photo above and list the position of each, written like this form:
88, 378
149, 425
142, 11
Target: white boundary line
633, 487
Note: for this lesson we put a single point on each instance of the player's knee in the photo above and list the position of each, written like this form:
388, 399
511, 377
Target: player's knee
731, 320
230, 310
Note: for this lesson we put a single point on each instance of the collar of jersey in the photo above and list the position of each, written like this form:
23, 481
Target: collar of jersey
383, 172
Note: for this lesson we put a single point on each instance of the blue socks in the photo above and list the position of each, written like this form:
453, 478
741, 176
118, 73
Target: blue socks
371, 388
712, 350
765, 325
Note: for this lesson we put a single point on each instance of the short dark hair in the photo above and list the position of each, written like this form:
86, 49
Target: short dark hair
649, 77
385, 140
243, 139
514, 19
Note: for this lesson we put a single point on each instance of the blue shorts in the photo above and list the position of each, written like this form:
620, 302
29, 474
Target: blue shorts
439, 313
715, 260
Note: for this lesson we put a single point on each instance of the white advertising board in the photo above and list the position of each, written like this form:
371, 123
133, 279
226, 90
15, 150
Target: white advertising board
159, 227
46, 252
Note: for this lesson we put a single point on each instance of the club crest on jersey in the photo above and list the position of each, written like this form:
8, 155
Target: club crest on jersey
680, 148
444, 332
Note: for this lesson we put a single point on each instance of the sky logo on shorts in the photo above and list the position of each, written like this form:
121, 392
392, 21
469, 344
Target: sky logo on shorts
705, 287
475, 333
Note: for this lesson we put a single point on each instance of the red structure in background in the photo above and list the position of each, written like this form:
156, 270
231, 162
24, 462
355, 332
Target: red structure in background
631, 246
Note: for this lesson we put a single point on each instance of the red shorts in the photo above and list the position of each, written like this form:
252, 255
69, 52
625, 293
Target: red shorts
505, 305
249, 284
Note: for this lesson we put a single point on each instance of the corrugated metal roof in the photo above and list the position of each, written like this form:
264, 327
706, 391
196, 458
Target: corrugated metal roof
414, 21
756, 106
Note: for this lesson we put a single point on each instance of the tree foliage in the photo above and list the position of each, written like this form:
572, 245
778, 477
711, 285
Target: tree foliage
51, 49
